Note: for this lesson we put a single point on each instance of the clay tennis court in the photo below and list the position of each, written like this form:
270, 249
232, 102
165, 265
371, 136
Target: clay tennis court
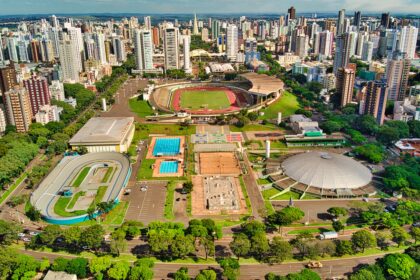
219, 163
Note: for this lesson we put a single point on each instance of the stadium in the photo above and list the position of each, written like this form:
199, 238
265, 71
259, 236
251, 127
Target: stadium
321, 174
79, 183
250, 90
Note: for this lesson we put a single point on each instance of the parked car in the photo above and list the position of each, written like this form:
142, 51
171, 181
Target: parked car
314, 264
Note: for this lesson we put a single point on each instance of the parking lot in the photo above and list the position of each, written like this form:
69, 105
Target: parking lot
146, 203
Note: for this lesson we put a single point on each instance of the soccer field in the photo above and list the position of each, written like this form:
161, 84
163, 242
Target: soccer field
213, 100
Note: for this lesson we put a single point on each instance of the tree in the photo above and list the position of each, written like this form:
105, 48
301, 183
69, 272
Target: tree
286, 216
182, 274
337, 211
24, 267
280, 250
142, 270
366, 124
415, 233
230, 268
187, 186
414, 126
182, 246
92, 237
372, 152
344, 247
118, 243
207, 274
382, 238
387, 135
78, 266
398, 265
208, 245
50, 234
60, 264
8, 232
259, 244
240, 245
338, 226
362, 240
99, 265
251, 228
399, 235
119, 270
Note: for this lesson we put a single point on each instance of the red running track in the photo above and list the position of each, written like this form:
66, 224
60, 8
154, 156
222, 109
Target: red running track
236, 98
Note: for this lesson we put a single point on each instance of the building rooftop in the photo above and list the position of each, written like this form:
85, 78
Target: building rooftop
263, 84
103, 130
327, 171
59, 275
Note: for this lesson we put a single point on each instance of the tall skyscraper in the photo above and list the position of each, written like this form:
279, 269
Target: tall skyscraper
99, 39
291, 12
171, 47
1, 51
8, 78
186, 39
12, 49
74, 34
397, 73
54, 21
367, 51
232, 42
408, 41
215, 29
119, 49
357, 20
143, 49
375, 101
302, 46
385, 20
70, 61
39, 93
156, 36
342, 51
340, 22
324, 43
18, 108
195, 27
345, 85
148, 23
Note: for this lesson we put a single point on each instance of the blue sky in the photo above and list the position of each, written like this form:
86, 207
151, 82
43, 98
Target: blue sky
203, 6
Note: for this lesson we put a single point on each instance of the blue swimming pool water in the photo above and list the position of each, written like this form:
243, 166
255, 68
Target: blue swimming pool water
168, 167
167, 147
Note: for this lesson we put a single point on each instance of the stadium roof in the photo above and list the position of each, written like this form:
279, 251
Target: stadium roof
327, 170
103, 130
263, 84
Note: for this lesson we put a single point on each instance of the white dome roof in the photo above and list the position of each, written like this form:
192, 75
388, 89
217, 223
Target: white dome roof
327, 170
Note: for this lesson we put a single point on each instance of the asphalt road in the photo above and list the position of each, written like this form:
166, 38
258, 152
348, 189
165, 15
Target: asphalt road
331, 268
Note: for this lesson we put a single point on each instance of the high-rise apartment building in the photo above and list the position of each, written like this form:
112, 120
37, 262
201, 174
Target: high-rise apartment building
47, 113
385, 20
143, 50
39, 93
291, 12
3, 122
397, 74
408, 41
70, 61
148, 23
323, 43
215, 29
186, 40
375, 100
357, 20
341, 22
18, 108
119, 49
8, 78
232, 42
156, 36
342, 51
345, 85
367, 51
302, 46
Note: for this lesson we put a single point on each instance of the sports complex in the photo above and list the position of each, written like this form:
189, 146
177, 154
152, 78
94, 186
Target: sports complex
251, 91
79, 183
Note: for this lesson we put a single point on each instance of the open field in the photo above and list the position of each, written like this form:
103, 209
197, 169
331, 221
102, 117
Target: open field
196, 99
140, 107
287, 104
82, 175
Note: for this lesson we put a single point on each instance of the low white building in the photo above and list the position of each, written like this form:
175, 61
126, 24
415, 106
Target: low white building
57, 90
48, 113
105, 135
407, 109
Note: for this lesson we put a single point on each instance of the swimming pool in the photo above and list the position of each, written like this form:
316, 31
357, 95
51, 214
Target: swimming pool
167, 147
168, 167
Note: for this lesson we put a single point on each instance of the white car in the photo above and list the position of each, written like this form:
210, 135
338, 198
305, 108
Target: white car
26, 239
33, 233
21, 234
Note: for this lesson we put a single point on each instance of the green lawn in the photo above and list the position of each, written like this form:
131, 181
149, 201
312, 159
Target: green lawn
169, 201
263, 181
254, 127
245, 193
99, 195
74, 199
61, 205
287, 104
19, 180
269, 193
204, 99
140, 107
287, 196
146, 171
168, 129
82, 175
107, 176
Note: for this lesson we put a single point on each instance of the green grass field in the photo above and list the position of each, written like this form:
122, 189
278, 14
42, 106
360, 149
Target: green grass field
204, 99
140, 107
82, 175
61, 205
107, 175
287, 104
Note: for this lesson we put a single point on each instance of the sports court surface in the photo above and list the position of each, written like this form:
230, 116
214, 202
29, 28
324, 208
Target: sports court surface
224, 163
210, 99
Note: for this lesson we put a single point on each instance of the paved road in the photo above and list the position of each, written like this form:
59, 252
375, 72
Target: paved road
337, 267
254, 194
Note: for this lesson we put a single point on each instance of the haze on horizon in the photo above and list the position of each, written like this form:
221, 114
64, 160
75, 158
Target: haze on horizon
13, 7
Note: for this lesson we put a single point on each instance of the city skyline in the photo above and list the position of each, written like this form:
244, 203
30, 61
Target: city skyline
10, 7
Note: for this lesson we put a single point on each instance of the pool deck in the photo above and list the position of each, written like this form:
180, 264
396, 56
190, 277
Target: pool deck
152, 146
157, 174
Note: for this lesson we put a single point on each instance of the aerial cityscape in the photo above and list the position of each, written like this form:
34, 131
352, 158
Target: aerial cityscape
209, 140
